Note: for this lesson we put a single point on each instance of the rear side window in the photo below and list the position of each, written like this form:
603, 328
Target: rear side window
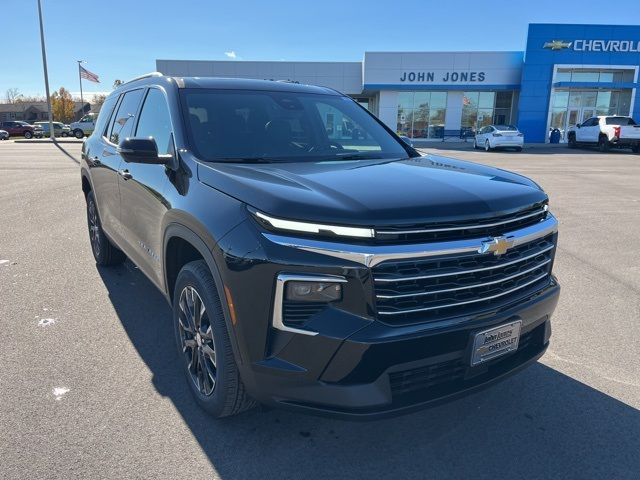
105, 114
620, 121
155, 121
122, 123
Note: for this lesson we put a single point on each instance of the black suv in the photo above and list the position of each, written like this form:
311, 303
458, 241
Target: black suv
313, 259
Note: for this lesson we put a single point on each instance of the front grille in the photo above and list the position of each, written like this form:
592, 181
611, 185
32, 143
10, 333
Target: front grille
461, 285
477, 228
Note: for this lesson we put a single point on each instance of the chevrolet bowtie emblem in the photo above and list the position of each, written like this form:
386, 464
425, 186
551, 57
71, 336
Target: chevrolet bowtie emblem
557, 45
497, 245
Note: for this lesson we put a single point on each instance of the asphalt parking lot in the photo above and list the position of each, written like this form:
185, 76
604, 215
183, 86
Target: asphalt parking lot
90, 385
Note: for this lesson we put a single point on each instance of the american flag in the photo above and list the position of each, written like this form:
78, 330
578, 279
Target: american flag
87, 75
465, 101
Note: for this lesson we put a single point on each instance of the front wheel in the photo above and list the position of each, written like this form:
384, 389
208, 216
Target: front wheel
204, 345
571, 141
78, 133
105, 252
28, 135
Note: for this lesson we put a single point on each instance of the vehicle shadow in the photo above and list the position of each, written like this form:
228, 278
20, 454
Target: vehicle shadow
538, 424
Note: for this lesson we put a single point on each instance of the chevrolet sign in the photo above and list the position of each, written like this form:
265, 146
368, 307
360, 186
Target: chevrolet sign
618, 46
557, 45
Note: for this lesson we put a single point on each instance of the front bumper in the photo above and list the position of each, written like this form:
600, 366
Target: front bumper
383, 371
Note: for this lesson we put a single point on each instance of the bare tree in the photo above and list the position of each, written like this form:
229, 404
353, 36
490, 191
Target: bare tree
12, 94
97, 101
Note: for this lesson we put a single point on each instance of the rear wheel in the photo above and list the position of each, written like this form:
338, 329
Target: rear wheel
204, 345
105, 252
603, 143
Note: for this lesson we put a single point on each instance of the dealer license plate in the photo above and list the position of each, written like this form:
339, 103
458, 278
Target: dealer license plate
495, 342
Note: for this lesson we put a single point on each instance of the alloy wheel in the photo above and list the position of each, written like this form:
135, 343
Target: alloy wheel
196, 340
94, 228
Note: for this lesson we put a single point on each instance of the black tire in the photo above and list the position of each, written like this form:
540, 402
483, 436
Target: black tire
571, 141
105, 252
635, 149
215, 385
65, 134
78, 133
603, 144
28, 135
518, 149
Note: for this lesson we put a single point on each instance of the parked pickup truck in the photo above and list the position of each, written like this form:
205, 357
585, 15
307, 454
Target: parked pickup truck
606, 132
310, 268
84, 126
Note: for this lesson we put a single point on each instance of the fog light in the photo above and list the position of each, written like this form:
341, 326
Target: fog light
297, 291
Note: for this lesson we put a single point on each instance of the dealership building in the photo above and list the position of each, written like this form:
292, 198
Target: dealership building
566, 74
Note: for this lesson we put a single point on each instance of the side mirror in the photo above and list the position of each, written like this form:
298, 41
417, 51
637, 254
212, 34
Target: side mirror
577, 125
142, 150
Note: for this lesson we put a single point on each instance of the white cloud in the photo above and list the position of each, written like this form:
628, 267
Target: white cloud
231, 54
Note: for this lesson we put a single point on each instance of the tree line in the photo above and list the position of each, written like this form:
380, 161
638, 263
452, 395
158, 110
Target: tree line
62, 103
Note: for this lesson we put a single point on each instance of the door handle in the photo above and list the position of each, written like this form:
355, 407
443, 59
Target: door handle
125, 174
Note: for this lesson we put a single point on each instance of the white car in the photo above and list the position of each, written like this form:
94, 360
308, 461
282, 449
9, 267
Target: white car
499, 136
84, 126
4, 135
606, 132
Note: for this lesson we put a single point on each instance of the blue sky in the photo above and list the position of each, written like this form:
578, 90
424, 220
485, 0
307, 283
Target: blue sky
123, 38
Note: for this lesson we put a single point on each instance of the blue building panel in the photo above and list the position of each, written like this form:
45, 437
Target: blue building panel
579, 45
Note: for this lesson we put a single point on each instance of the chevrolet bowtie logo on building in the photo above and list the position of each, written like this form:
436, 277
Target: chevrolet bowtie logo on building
557, 45
497, 245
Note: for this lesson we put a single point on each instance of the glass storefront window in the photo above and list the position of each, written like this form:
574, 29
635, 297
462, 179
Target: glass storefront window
560, 100
594, 76
421, 114
480, 109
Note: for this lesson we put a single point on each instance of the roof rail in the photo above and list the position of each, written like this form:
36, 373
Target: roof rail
146, 75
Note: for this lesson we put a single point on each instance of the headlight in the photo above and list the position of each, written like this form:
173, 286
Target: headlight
310, 291
304, 227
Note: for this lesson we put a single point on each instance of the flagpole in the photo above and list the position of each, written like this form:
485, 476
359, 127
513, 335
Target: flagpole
80, 78
52, 134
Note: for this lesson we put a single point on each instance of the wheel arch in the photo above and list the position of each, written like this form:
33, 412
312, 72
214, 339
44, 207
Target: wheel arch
182, 245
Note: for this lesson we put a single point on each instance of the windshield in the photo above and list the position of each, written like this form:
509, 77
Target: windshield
245, 125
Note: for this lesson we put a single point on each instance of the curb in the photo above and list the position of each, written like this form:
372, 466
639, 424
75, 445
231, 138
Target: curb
45, 141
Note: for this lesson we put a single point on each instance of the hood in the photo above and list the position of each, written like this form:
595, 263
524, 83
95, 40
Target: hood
377, 192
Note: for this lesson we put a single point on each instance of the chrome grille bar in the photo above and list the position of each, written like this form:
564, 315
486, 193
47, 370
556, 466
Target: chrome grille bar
467, 287
475, 270
466, 227
466, 302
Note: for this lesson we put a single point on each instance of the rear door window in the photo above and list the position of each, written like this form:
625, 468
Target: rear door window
123, 121
620, 121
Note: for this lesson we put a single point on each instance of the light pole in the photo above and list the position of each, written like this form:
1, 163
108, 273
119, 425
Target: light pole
52, 134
